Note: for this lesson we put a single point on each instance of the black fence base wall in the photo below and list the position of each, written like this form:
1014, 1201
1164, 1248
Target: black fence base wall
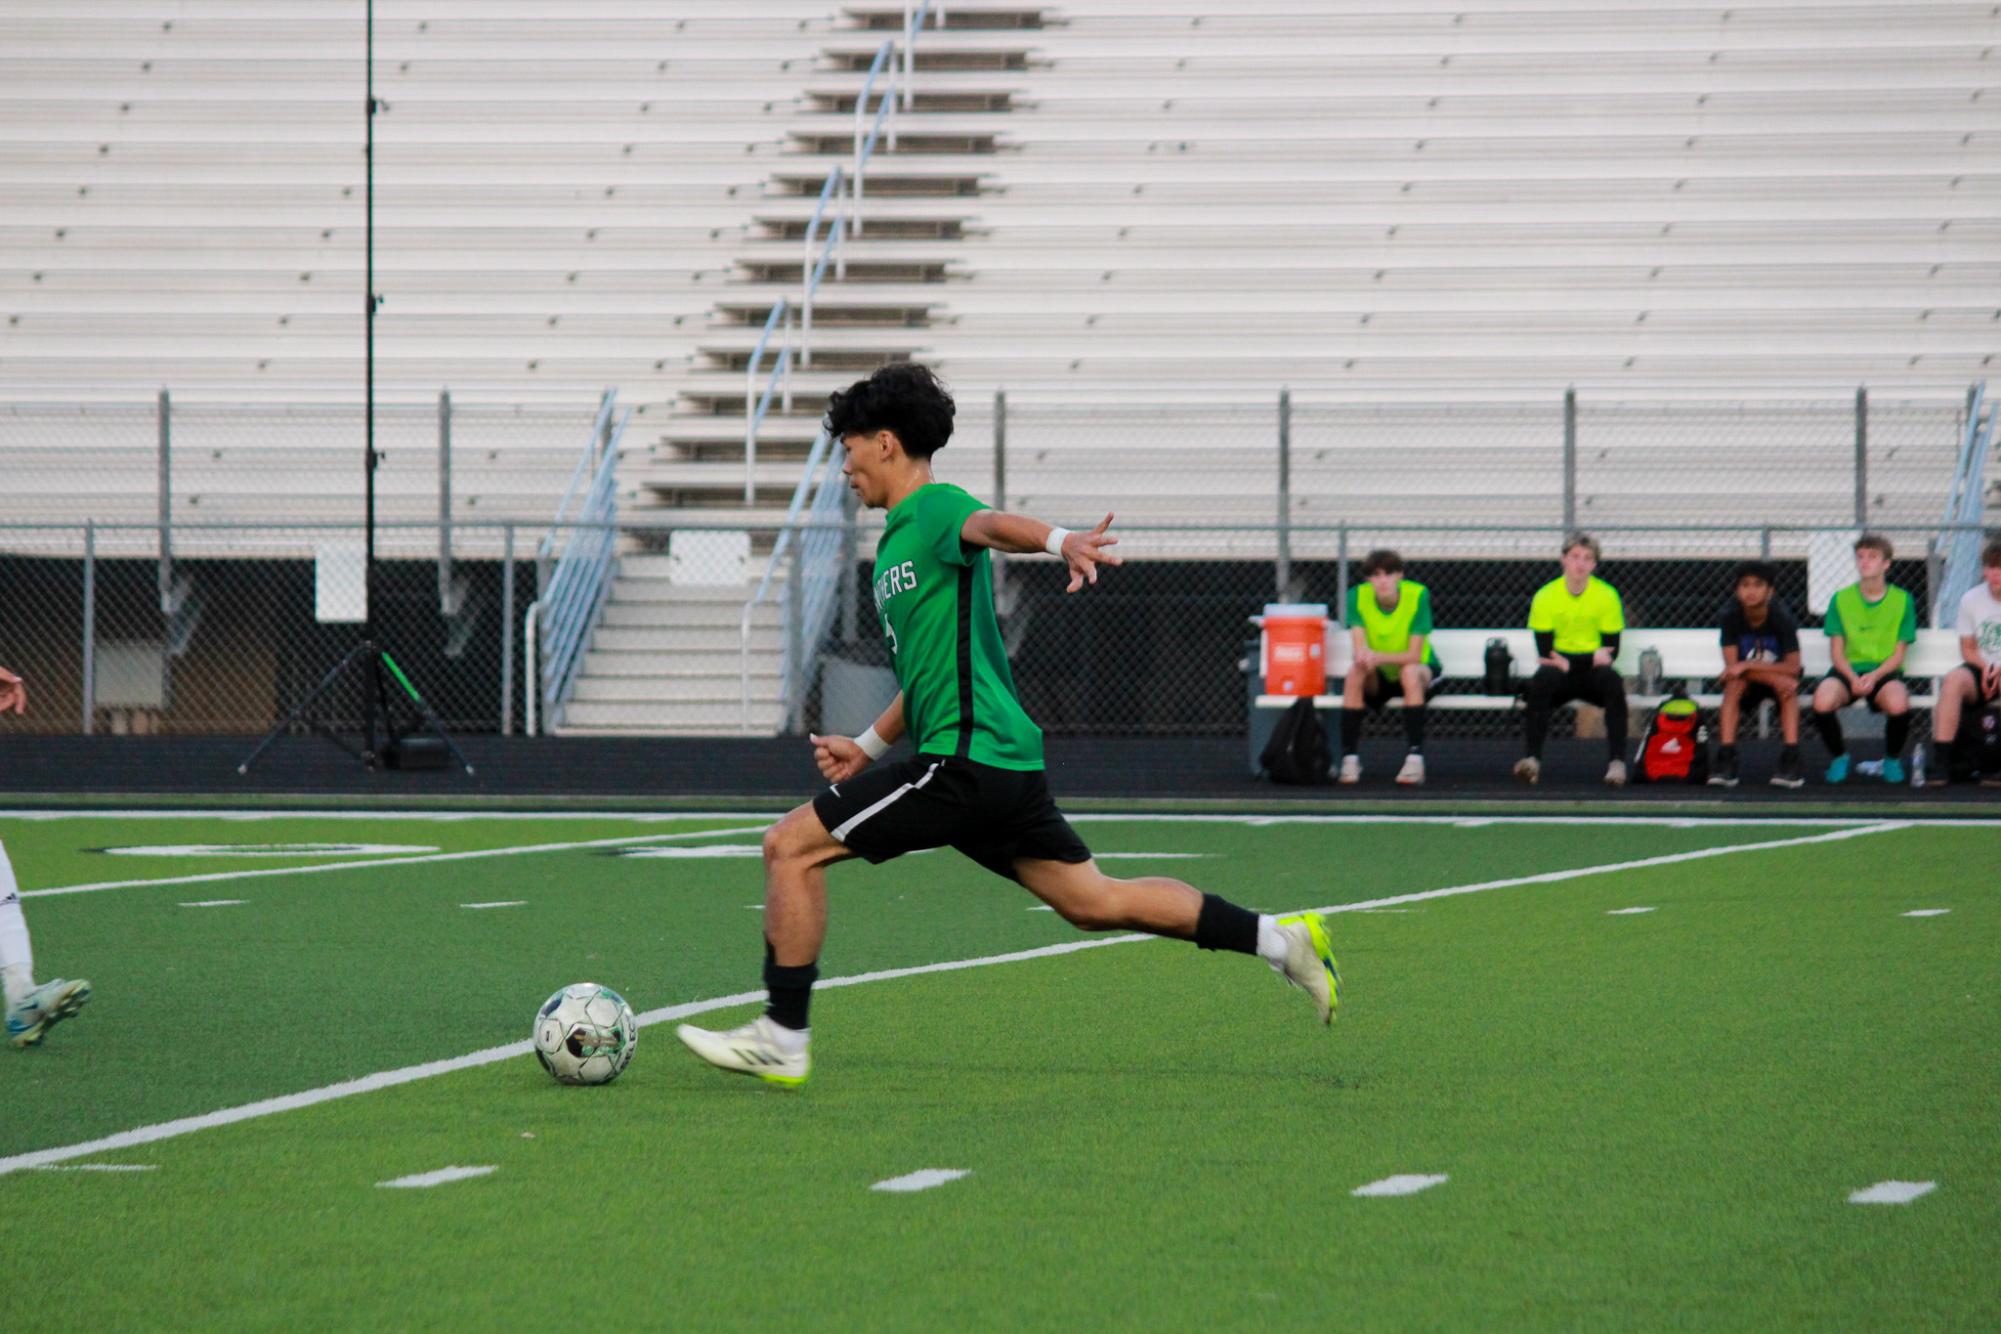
780, 770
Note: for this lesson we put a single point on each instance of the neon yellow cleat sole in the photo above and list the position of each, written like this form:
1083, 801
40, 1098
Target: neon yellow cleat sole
1309, 963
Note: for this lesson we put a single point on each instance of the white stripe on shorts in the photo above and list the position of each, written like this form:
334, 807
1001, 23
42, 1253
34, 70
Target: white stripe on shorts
848, 826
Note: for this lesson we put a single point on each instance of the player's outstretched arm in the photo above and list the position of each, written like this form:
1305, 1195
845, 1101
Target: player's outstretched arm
1020, 535
841, 758
13, 693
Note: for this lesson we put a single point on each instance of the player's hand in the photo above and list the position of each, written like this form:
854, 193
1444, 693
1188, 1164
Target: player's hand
1864, 683
1602, 658
1085, 552
1556, 660
13, 693
1366, 660
1990, 678
839, 757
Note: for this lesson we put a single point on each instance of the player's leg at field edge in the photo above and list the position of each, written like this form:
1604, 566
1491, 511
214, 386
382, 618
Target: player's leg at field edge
1090, 900
17, 958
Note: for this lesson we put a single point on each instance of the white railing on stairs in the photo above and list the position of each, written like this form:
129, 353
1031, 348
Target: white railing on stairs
1961, 567
574, 588
810, 550
846, 221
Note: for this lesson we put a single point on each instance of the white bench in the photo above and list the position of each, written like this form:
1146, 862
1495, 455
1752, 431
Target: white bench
1691, 656
1686, 655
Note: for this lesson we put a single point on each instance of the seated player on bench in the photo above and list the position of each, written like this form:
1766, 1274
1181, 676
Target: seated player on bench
1761, 661
1870, 625
1577, 621
1976, 681
1389, 618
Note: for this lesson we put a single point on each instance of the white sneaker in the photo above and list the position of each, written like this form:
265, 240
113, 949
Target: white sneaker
1529, 769
1615, 774
1412, 773
1309, 962
1351, 769
753, 1049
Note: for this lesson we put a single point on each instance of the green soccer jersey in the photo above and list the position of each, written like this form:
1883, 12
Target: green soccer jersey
1391, 631
936, 598
1871, 631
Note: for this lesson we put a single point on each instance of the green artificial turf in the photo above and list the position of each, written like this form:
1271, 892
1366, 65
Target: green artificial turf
1647, 1120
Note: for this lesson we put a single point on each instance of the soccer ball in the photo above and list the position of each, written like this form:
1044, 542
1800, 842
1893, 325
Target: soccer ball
585, 1033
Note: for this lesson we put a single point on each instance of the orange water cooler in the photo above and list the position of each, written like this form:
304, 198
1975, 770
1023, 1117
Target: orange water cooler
1292, 646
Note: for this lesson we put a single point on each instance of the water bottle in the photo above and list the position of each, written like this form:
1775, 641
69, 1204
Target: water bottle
1650, 672
1500, 667
1918, 764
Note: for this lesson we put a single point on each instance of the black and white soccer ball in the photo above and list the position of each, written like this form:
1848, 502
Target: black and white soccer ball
585, 1034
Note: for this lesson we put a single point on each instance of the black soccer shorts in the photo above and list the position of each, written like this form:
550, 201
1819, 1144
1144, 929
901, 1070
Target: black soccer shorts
1872, 699
935, 801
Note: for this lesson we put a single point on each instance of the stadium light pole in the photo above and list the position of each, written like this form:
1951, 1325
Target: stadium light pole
381, 738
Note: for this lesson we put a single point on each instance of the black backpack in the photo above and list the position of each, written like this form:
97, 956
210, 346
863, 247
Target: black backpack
1298, 751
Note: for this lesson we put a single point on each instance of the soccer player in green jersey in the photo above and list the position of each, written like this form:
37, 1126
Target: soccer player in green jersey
1869, 626
1577, 621
1389, 618
975, 783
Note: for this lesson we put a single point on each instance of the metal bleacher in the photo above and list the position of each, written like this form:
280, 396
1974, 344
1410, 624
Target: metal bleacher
1424, 218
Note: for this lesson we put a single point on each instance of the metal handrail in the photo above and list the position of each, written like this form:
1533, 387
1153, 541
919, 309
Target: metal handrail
575, 593
821, 458
814, 272
586, 463
864, 148
1961, 568
913, 23
779, 381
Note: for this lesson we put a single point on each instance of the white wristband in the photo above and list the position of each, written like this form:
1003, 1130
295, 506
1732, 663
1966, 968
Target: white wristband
872, 743
1053, 544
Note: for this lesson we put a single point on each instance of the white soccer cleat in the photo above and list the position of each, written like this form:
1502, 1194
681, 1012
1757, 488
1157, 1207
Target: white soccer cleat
1615, 774
1351, 769
753, 1049
45, 1007
1412, 773
1309, 961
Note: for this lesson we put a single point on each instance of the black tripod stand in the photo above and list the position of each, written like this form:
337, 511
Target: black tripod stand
383, 737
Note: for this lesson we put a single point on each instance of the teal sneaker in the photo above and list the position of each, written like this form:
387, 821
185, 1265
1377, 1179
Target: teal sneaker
1837, 769
1893, 772
45, 1007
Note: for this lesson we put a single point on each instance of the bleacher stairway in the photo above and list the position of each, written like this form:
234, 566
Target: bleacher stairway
666, 658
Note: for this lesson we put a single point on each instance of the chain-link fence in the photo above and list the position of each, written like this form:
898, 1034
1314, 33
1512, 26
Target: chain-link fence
226, 615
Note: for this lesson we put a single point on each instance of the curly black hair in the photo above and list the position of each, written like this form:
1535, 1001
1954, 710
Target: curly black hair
905, 398
1762, 570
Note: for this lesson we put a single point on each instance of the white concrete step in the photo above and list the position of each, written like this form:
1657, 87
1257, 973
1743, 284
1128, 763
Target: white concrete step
690, 717
671, 690
688, 615
766, 663
663, 643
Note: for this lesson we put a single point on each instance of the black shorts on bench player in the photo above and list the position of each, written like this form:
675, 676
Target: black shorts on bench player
1576, 620
975, 783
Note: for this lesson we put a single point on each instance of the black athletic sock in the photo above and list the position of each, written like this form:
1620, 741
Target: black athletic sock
1896, 732
1728, 751
789, 990
1222, 925
1413, 727
1789, 752
1351, 731
1830, 733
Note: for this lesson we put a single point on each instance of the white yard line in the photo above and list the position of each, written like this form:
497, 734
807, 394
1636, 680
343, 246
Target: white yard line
213, 903
1893, 1192
924, 1179
498, 903
425, 1180
1927, 912
100, 1167
320, 869
409, 1074
1139, 817
1401, 1184
1625, 912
